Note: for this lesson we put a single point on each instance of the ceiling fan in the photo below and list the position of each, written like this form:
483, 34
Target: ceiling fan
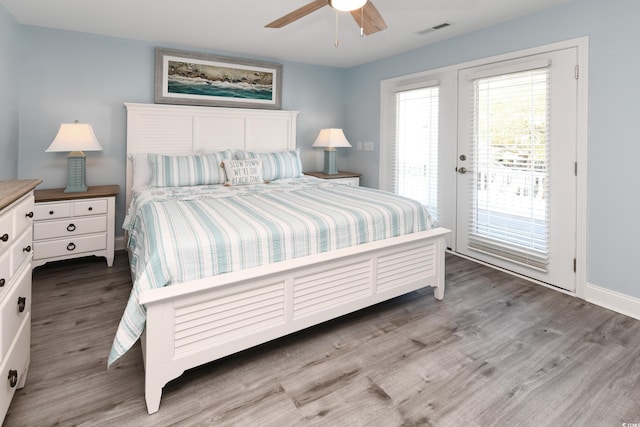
363, 11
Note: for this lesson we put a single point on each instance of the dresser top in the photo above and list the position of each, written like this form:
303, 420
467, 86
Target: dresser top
10, 191
58, 194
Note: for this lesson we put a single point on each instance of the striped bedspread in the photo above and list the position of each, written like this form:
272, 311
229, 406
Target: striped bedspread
185, 233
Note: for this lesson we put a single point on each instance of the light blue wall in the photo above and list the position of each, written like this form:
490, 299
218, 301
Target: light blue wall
9, 60
68, 76
613, 187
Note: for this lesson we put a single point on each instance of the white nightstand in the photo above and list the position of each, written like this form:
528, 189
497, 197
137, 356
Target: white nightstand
348, 178
72, 225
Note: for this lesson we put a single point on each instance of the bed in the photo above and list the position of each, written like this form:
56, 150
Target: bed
221, 311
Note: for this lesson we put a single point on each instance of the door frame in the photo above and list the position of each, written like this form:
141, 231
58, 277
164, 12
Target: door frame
449, 139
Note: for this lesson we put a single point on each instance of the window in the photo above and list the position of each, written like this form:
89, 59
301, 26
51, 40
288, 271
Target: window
415, 154
509, 163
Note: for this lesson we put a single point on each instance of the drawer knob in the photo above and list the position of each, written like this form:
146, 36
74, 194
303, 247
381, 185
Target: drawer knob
71, 246
22, 303
2, 282
71, 227
29, 215
4, 237
27, 249
13, 378
50, 212
90, 208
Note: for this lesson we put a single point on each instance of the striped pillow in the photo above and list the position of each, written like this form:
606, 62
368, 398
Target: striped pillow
178, 171
277, 165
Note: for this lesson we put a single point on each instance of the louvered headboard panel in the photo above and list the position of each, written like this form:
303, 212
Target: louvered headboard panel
156, 128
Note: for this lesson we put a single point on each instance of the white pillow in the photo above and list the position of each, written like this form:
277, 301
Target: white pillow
243, 172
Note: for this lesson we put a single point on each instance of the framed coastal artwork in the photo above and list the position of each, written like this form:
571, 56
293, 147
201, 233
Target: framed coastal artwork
190, 78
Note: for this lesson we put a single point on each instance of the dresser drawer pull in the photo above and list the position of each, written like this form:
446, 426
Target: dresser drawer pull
22, 302
90, 208
4, 237
50, 212
27, 249
2, 282
71, 227
13, 378
71, 246
29, 214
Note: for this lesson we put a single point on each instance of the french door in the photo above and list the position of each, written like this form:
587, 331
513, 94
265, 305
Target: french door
516, 166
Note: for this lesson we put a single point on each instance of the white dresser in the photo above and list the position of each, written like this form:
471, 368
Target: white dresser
16, 219
72, 225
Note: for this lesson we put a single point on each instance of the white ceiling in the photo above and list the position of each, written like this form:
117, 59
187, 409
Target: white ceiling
238, 25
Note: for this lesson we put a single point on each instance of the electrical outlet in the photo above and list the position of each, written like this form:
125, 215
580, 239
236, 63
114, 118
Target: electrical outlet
368, 146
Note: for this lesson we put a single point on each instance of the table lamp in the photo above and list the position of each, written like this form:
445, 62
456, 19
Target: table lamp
330, 139
75, 138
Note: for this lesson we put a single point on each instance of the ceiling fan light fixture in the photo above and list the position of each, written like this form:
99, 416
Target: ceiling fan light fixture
347, 5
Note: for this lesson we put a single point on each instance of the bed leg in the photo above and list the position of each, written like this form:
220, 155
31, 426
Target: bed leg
152, 396
438, 292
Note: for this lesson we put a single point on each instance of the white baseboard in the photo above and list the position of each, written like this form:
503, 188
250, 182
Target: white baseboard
119, 243
621, 303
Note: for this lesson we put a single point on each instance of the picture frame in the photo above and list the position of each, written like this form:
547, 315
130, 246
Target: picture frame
191, 78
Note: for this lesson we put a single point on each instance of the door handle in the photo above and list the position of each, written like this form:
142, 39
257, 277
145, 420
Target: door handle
462, 170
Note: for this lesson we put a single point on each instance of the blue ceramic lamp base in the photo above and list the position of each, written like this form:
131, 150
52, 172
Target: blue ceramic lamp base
76, 173
330, 167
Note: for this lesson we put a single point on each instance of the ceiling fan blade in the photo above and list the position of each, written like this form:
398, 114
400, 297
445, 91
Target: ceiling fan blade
373, 21
297, 14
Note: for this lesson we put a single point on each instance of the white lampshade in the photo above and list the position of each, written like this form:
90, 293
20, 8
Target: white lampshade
347, 5
75, 137
331, 138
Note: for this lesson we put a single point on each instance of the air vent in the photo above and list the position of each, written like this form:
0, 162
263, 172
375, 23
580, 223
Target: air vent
435, 28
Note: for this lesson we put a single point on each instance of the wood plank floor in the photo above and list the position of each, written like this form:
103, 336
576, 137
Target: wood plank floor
497, 351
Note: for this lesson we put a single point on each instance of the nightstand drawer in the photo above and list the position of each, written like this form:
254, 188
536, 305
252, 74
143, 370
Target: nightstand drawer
52, 211
355, 182
14, 309
72, 245
90, 207
71, 227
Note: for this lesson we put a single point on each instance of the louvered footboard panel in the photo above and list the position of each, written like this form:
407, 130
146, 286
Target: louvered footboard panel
327, 289
406, 266
216, 321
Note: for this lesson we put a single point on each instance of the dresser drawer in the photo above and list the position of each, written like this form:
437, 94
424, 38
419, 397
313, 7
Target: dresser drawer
14, 309
7, 235
23, 214
17, 360
67, 246
21, 250
5, 272
70, 227
52, 211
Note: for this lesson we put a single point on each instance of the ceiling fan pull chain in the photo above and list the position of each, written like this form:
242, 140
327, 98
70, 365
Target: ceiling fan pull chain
337, 42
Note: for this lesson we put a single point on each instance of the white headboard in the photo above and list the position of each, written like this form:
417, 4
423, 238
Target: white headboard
155, 128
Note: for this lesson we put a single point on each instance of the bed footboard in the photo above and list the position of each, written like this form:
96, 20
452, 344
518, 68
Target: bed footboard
204, 320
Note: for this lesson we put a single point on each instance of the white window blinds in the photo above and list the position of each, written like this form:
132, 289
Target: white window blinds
510, 162
415, 154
